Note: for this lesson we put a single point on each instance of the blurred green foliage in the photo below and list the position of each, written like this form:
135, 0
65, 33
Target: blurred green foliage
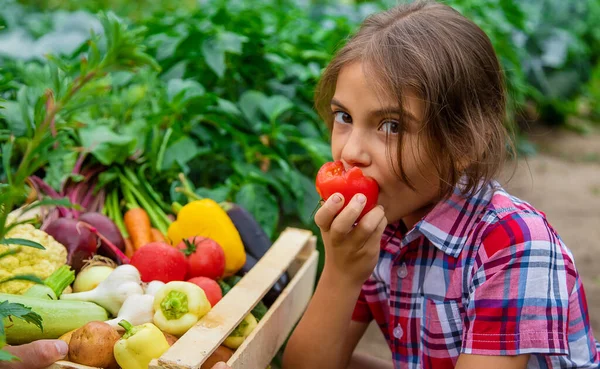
231, 105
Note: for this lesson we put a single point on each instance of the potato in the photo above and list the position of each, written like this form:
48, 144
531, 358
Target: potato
170, 338
93, 345
222, 353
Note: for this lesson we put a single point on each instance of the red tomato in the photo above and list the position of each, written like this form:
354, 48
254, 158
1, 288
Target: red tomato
332, 178
205, 257
159, 261
211, 289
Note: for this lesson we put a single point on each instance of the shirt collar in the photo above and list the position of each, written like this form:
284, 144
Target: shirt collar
449, 224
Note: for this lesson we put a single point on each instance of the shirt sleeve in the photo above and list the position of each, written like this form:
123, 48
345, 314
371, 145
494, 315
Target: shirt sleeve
519, 293
362, 312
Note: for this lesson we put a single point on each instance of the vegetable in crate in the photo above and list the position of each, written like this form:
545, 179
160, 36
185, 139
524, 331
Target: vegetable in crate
222, 353
204, 256
333, 178
159, 261
58, 316
139, 345
28, 260
210, 287
239, 334
81, 240
206, 218
178, 306
112, 292
137, 310
93, 345
255, 240
108, 229
93, 272
54, 285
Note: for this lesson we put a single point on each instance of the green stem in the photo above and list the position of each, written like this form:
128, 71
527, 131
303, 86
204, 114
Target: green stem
153, 213
131, 203
60, 279
117, 216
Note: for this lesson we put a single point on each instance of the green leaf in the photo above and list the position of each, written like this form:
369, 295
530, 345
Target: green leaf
21, 242
26, 277
19, 311
214, 49
63, 202
218, 194
306, 196
7, 356
214, 56
106, 145
180, 92
261, 204
250, 103
274, 106
182, 151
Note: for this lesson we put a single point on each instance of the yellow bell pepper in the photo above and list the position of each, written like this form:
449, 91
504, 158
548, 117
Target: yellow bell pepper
206, 218
178, 306
139, 345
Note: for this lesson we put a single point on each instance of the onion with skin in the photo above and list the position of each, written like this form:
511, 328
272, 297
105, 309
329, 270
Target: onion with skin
94, 271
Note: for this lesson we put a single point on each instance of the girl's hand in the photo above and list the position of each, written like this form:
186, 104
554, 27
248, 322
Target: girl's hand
351, 252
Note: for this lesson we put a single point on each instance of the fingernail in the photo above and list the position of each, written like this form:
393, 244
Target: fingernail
361, 198
220, 365
61, 347
336, 198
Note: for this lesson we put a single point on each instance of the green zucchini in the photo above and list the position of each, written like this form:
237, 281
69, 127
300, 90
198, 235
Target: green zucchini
58, 318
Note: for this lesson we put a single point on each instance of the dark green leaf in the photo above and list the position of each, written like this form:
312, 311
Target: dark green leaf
180, 92
274, 106
106, 145
261, 204
214, 56
21, 242
19, 311
27, 277
218, 194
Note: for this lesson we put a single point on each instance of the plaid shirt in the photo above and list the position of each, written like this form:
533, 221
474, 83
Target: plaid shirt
481, 275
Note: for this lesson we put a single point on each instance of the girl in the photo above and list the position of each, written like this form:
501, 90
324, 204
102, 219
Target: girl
456, 272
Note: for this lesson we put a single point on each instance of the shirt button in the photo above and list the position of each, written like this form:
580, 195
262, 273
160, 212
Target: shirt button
402, 271
398, 332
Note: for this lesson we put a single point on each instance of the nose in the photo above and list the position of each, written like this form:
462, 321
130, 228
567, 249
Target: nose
356, 150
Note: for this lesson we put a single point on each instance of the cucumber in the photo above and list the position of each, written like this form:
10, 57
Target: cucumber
58, 318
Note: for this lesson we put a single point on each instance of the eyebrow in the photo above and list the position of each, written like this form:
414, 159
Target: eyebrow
380, 112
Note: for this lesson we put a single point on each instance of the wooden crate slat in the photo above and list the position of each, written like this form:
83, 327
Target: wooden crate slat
264, 342
192, 349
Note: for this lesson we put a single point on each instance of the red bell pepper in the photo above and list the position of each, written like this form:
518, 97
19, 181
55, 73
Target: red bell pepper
333, 178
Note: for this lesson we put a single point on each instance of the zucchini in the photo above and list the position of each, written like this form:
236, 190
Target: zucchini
58, 318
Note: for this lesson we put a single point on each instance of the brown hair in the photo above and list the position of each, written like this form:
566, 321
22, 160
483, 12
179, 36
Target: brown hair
451, 64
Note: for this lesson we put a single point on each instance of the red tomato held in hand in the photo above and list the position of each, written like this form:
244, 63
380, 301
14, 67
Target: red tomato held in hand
332, 178
158, 261
211, 289
205, 257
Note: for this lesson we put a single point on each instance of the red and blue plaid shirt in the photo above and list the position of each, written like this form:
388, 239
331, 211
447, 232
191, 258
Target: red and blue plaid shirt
480, 275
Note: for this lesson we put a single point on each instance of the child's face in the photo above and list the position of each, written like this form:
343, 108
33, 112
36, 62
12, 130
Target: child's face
359, 139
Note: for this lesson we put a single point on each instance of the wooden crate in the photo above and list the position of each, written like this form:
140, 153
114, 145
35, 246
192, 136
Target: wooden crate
295, 252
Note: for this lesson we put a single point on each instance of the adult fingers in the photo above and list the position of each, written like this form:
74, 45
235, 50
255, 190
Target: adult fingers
37, 354
328, 211
221, 365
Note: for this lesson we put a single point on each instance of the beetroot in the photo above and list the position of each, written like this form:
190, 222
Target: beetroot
108, 229
80, 242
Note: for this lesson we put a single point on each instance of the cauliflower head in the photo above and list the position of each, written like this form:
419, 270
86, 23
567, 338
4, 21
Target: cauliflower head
29, 260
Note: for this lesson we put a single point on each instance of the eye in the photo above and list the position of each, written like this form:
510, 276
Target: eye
390, 127
341, 117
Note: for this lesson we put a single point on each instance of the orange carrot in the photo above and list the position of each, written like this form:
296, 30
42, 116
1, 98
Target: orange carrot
138, 226
129, 251
157, 236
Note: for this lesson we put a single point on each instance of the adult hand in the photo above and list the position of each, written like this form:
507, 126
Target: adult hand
36, 355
